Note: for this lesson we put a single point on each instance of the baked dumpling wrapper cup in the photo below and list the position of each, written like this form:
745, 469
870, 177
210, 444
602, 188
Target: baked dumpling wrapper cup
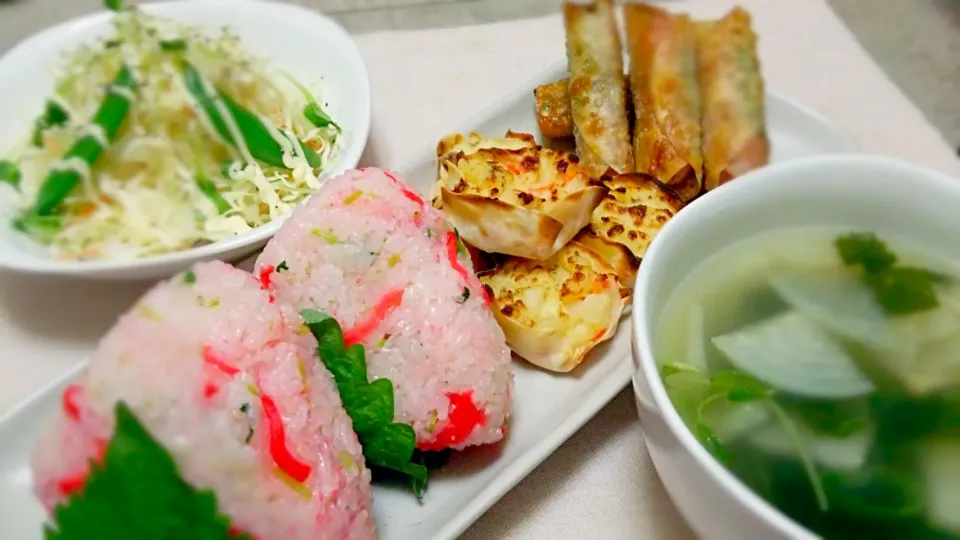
631, 214
624, 263
554, 312
509, 195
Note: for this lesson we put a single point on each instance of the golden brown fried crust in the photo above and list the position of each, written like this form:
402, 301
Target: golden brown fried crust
596, 86
734, 117
634, 210
552, 102
554, 312
552, 106
509, 195
666, 96
617, 255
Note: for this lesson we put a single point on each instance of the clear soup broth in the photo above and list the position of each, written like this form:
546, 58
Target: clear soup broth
822, 368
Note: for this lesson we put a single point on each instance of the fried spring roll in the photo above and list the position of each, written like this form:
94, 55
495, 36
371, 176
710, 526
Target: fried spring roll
553, 109
732, 92
597, 97
552, 105
666, 97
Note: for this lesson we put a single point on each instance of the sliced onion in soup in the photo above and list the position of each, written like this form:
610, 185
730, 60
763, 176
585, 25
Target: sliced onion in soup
791, 353
937, 366
836, 453
731, 420
941, 475
697, 338
842, 304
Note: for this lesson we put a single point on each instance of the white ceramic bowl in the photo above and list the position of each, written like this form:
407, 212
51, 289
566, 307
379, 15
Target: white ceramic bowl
304, 43
858, 192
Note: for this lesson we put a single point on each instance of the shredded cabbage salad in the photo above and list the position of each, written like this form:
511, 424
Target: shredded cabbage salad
167, 180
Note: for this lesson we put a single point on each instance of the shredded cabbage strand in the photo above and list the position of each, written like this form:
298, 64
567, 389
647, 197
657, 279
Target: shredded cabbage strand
142, 197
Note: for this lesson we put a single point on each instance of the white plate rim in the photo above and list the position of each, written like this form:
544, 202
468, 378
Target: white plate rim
605, 389
618, 379
348, 158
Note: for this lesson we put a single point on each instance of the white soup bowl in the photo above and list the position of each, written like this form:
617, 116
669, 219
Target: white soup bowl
855, 192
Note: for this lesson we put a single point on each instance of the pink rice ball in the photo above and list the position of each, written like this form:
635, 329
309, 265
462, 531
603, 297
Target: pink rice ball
367, 250
209, 365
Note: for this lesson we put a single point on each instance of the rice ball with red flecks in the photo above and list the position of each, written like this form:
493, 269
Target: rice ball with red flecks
209, 365
366, 250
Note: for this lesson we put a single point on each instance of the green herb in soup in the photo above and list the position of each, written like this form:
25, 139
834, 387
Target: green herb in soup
822, 367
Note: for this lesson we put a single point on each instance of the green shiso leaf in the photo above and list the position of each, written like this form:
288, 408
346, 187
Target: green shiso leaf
370, 405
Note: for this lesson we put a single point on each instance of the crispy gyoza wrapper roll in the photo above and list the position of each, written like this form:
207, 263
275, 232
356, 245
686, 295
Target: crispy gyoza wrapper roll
553, 109
552, 105
666, 97
597, 97
733, 116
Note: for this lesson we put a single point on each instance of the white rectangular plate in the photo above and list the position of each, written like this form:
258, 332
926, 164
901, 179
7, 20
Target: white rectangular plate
548, 408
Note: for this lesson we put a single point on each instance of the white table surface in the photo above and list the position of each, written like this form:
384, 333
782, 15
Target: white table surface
600, 484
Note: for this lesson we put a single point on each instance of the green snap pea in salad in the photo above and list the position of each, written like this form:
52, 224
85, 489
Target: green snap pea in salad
160, 138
